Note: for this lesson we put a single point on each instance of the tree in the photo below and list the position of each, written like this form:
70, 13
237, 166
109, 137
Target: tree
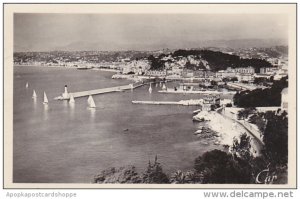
155, 63
121, 175
234, 79
261, 97
259, 121
216, 60
244, 113
154, 174
188, 177
228, 105
261, 80
219, 167
275, 138
191, 66
213, 83
241, 147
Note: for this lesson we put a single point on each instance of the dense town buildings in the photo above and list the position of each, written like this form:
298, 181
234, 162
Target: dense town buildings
138, 63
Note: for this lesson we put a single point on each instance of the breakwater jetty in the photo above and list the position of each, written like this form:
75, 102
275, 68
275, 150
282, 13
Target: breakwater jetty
105, 90
157, 102
172, 91
181, 102
66, 95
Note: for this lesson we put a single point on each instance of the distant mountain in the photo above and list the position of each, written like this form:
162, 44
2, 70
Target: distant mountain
149, 46
245, 43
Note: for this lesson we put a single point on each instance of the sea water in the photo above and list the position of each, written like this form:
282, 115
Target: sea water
70, 143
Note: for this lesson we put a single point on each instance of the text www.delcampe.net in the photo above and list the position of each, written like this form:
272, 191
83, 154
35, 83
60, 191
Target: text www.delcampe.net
248, 194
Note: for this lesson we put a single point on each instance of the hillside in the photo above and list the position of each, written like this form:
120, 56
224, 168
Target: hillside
205, 59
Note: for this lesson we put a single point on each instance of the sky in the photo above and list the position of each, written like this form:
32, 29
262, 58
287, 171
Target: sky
48, 32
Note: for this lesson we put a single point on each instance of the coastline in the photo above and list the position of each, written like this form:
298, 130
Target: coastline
227, 129
41, 66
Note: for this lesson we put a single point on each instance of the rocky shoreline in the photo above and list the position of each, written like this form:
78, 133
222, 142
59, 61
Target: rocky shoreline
217, 128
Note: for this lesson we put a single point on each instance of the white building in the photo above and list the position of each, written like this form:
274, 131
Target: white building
225, 73
137, 66
156, 73
267, 70
245, 70
245, 77
209, 101
224, 102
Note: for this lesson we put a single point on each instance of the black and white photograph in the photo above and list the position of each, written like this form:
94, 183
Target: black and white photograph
147, 95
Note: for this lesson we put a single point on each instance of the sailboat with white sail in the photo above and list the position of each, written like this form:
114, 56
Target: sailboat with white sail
34, 94
27, 85
150, 88
91, 102
164, 86
72, 100
45, 99
89, 99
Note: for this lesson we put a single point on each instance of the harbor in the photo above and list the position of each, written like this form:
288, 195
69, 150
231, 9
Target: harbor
66, 95
95, 135
180, 97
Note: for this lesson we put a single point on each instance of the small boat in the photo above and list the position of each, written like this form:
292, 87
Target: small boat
34, 94
84, 67
26, 85
45, 99
164, 86
150, 89
198, 132
72, 100
89, 99
196, 119
59, 98
91, 102
196, 111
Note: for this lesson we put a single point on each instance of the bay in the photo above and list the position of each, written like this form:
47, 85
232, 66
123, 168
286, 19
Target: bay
60, 143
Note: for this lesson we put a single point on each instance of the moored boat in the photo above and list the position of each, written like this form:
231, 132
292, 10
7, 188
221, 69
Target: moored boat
198, 132
196, 111
34, 94
45, 99
150, 88
84, 67
91, 102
